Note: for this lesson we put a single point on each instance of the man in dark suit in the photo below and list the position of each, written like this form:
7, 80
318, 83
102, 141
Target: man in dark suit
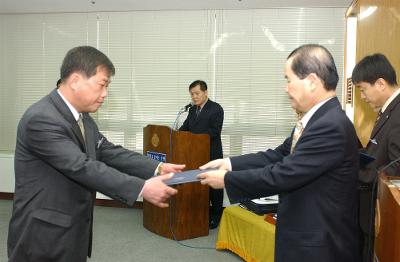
314, 171
376, 79
207, 117
61, 160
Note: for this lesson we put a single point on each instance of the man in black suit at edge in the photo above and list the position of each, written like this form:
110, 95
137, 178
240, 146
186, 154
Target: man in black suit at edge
207, 117
62, 159
314, 171
375, 77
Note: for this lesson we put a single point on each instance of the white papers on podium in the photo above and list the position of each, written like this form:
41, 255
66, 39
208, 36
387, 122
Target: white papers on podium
395, 182
189, 176
266, 200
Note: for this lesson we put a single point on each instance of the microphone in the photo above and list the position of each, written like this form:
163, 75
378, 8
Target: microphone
186, 108
391, 163
181, 111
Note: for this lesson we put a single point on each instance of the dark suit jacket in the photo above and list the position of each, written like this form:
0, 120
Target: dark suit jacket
317, 187
384, 145
209, 122
56, 177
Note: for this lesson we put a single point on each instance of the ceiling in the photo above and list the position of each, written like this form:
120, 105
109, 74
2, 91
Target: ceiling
55, 6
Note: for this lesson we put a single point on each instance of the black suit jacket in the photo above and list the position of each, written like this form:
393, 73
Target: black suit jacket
384, 145
317, 187
56, 177
209, 122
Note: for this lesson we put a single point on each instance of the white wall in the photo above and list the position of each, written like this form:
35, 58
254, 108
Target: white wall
6, 173
7, 180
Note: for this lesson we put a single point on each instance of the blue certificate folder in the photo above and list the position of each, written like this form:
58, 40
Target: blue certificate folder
185, 177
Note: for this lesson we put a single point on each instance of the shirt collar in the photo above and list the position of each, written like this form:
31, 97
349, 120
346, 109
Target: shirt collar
74, 112
391, 98
307, 116
202, 105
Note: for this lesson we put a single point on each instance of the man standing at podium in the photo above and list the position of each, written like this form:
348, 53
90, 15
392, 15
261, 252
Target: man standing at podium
375, 77
314, 171
207, 117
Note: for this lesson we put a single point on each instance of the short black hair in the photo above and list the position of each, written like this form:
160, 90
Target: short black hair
373, 67
201, 83
85, 59
313, 58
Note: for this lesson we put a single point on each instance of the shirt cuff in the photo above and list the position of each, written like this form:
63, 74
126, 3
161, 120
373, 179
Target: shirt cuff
228, 162
155, 174
141, 191
157, 169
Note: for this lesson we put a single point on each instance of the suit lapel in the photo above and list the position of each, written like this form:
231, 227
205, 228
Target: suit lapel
385, 116
67, 114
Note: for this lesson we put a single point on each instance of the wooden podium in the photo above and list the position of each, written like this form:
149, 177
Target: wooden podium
187, 214
387, 221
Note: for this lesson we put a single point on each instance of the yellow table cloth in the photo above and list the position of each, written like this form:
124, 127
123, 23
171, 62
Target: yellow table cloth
246, 234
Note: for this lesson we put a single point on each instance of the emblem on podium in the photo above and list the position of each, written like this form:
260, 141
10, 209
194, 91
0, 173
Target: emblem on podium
155, 140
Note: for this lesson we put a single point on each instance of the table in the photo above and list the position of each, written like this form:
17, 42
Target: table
246, 234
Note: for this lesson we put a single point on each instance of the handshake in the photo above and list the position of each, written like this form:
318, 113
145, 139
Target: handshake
157, 192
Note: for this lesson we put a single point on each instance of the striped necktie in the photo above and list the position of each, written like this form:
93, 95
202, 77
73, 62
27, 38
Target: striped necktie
81, 126
378, 117
297, 132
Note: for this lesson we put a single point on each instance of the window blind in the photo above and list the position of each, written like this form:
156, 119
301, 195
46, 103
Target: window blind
250, 69
157, 54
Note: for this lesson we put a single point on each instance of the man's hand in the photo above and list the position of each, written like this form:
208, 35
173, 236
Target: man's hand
222, 163
214, 179
166, 168
156, 192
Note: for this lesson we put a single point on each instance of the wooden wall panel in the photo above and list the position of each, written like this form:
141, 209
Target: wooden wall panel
379, 32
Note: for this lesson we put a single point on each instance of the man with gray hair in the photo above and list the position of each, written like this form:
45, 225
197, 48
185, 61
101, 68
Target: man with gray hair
314, 171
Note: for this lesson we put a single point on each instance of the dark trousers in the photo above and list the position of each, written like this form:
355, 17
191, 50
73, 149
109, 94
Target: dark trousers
367, 198
216, 200
367, 247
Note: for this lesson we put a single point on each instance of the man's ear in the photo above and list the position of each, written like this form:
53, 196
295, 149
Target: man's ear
74, 80
312, 80
380, 84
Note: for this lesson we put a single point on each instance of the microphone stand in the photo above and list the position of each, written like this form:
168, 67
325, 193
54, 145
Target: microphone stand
175, 127
176, 122
181, 111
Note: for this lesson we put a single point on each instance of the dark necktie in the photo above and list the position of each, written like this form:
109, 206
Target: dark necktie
198, 110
